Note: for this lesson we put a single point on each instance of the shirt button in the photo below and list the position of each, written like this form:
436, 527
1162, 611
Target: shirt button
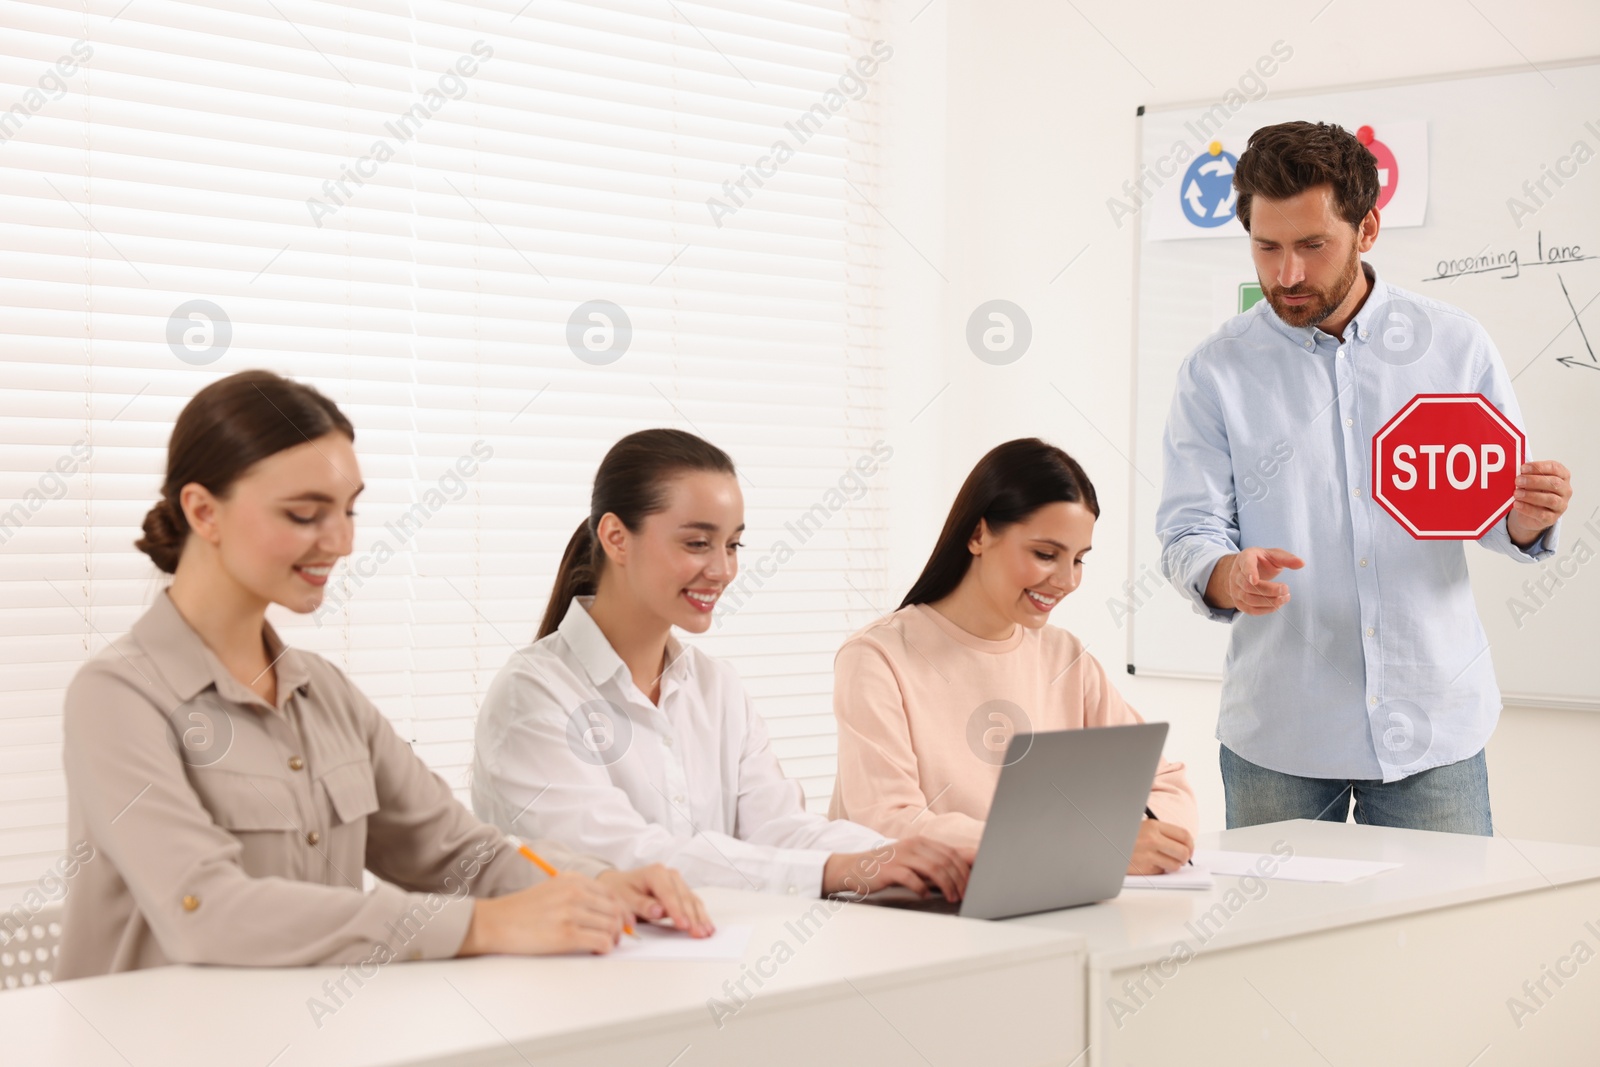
1363, 563
1341, 353
1309, 344
678, 798
313, 837
666, 741
191, 902
1374, 701
1355, 492
793, 890
296, 763
1349, 422
1370, 631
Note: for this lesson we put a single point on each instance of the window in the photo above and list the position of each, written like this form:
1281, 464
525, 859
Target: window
500, 239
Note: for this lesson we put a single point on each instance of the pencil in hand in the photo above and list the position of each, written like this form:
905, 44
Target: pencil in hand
539, 861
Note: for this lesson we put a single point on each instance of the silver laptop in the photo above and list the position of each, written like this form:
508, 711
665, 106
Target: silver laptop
1062, 827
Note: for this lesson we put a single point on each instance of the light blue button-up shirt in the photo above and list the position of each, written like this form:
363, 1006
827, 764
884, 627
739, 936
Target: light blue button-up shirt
1378, 666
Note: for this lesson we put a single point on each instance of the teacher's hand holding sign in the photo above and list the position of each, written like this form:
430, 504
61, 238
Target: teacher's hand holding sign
1369, 691
1449, 466
1544, 488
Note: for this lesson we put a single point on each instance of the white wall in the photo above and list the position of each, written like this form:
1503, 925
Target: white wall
1010, 124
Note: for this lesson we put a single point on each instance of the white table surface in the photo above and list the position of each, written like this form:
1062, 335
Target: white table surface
1412, 966
924, 988
1437, 870
876, 966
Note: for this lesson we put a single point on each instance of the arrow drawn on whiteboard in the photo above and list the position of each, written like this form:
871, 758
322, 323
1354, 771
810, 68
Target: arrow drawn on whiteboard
1573, 361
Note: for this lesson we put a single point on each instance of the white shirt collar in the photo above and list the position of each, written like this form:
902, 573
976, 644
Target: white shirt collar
594, 652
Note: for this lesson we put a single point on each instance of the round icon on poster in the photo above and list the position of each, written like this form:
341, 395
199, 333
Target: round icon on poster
1206, 192
1388, 166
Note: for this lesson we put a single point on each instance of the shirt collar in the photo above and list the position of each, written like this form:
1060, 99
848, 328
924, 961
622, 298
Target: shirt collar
594, 652
1362, 324
190, 667
1366, 319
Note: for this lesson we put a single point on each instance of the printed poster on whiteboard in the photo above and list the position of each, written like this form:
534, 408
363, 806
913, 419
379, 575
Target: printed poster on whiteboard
1204, 203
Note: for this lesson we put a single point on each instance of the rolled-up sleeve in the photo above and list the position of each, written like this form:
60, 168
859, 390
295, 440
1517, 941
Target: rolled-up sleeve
1197, 519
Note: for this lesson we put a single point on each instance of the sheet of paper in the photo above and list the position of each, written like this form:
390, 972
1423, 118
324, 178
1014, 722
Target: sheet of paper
1185, 877
1292, 869
665, 943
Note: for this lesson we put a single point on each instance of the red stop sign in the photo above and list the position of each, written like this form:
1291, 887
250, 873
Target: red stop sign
1446, 466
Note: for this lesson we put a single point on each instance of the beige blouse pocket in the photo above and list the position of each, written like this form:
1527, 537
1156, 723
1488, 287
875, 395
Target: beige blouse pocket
352, 791
260, 813
352, 795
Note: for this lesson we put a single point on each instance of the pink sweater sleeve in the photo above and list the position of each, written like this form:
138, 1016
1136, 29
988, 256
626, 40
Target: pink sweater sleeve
1170, 796
877, 782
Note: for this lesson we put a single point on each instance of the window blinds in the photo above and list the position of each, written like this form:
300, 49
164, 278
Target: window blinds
500, 236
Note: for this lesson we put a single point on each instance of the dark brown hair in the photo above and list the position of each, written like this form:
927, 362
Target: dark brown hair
227, 428
1287, 159
1009, 484
630, 484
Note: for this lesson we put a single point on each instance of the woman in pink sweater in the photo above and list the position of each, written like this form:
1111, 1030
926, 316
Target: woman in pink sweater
928, 697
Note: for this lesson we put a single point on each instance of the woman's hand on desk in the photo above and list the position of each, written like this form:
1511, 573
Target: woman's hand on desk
568, 913
920, 864
1162, 847
656, 892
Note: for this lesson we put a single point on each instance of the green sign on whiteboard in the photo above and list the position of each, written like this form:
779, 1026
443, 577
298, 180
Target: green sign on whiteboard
1249, 296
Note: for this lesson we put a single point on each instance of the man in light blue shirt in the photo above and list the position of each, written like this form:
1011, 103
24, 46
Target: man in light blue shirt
1365, 676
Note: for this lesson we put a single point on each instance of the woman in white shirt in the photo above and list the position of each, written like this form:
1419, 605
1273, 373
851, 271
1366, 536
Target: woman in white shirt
610, 734
265, 780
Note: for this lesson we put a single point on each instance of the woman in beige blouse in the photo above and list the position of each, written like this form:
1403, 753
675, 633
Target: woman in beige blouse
927, 698
229, 791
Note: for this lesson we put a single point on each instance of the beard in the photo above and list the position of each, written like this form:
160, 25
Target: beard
1323, 302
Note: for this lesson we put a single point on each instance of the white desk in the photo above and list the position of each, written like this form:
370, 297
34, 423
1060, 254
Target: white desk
1412, 967
867, 986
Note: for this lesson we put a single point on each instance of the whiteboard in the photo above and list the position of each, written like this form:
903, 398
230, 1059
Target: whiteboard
1488, 134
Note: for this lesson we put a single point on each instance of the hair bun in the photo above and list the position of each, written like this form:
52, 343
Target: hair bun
165, 530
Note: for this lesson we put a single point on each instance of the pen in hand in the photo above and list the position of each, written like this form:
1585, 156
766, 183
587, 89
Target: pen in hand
539, 861
1152, 817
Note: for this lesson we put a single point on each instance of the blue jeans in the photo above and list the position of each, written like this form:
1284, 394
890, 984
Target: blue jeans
1453, 798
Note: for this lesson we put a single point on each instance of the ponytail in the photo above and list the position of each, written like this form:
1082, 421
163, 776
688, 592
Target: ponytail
632, 485
575, 577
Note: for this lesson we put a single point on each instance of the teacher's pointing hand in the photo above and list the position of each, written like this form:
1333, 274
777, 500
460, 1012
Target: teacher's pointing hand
1243, 581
